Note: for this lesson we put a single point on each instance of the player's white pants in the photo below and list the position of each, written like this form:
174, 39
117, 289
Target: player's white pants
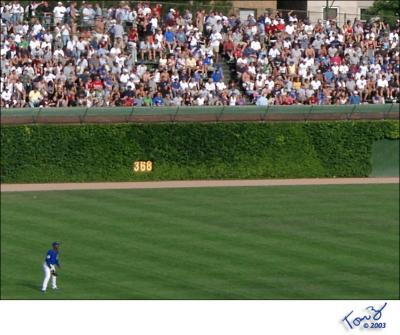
47, 275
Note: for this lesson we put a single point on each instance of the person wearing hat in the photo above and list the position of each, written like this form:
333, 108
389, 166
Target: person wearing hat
355, 98
59, 12
49, 265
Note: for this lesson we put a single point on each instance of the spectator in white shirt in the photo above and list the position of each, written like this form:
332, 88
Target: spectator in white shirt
232, 100
124, 77
270, 83
210, 86
6, 97
289, 28
309, 61
274, 52
255, 45
220, 86
361, 85
58, 54
17, 13
215, 39
382, 85
303, 68
343, 69
184, 85
315, 84
292, 18
59, 12
49, 76
65, 34
200, 101
37, 27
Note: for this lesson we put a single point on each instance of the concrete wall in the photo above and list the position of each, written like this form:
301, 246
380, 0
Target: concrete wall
347, 10
260, 6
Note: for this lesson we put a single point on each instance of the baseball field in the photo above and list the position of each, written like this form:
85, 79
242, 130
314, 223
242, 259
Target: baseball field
276, 242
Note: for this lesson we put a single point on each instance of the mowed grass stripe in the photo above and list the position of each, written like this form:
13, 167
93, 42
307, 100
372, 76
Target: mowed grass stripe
117, 266
328, 229
351, 233
116, 269
284, 233
350, 254
244, 251
218, 252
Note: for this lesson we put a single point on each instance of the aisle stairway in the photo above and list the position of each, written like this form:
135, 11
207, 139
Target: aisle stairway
227, 69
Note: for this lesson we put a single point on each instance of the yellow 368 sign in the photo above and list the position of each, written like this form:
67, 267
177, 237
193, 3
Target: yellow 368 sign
142, 166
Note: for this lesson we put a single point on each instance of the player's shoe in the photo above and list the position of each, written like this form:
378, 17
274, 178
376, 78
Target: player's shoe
43, 291
55, 288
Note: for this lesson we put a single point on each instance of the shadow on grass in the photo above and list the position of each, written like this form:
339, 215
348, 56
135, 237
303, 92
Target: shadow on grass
31, 286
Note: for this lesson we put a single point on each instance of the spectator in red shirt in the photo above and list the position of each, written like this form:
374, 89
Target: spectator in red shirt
280, 26
336, 60
157, 11
97, 84
228, 47
128, 101
312, 100
287, 100
89, 85
133, 35
269, 29
238, 52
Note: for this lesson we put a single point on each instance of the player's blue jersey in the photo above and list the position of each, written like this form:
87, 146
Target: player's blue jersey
52, 258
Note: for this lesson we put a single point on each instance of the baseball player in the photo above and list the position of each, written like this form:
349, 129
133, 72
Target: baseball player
49, 267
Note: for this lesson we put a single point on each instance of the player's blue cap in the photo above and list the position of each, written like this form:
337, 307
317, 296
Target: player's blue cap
55, 243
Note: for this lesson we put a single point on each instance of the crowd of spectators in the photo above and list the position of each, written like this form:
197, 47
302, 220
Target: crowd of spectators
79, 54
286, 61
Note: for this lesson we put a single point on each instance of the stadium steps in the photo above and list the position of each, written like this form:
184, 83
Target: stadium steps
231, 74
226, 68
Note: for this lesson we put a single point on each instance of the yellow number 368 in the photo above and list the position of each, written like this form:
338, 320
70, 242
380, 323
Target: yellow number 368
142, 166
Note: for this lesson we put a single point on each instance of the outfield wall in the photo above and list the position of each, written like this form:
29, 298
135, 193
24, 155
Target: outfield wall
187, 151
73, 115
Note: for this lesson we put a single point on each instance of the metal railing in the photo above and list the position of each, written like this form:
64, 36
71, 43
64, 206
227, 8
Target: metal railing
196, 113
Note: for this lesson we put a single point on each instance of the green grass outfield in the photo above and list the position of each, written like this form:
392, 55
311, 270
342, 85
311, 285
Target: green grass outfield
287, 242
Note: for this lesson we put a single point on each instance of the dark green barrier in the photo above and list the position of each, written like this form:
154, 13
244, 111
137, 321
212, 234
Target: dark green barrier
82, 112
190, 150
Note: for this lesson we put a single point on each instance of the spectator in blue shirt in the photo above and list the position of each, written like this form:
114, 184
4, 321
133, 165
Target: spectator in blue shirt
175, 87
321, 97
197, 76
355, 98
207, 60
328, 75
180, 36
262, 101
169, 38
158, 100
324, 60
217, 75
